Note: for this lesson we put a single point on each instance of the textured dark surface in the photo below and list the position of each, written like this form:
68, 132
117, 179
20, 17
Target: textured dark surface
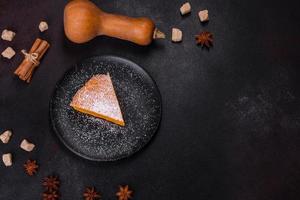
230, 123
97, 139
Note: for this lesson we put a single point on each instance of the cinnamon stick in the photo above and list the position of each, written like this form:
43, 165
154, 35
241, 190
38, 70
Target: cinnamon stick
41, 50
35, 45
32, 59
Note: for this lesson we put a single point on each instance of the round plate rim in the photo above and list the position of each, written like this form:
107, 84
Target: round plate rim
83, 155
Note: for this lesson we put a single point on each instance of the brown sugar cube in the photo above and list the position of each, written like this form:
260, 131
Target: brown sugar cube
8, 53
5, 136
176, 35
43, 26
7, 159
7, 35
27, 146
203, 15
185, 8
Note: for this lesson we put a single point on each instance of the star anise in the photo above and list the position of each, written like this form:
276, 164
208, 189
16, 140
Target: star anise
51, 183
124, 193
205, 39
91, 194
50, 195
31, 167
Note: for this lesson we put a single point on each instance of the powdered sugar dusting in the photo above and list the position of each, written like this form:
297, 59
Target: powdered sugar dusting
97, 139
98, 95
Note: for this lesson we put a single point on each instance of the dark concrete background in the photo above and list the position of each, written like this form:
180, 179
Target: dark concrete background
231, 115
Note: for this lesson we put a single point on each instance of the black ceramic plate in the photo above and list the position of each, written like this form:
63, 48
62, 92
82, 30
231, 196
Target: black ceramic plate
96, 139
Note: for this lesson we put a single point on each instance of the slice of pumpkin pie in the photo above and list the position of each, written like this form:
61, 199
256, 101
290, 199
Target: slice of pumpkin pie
98, 98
